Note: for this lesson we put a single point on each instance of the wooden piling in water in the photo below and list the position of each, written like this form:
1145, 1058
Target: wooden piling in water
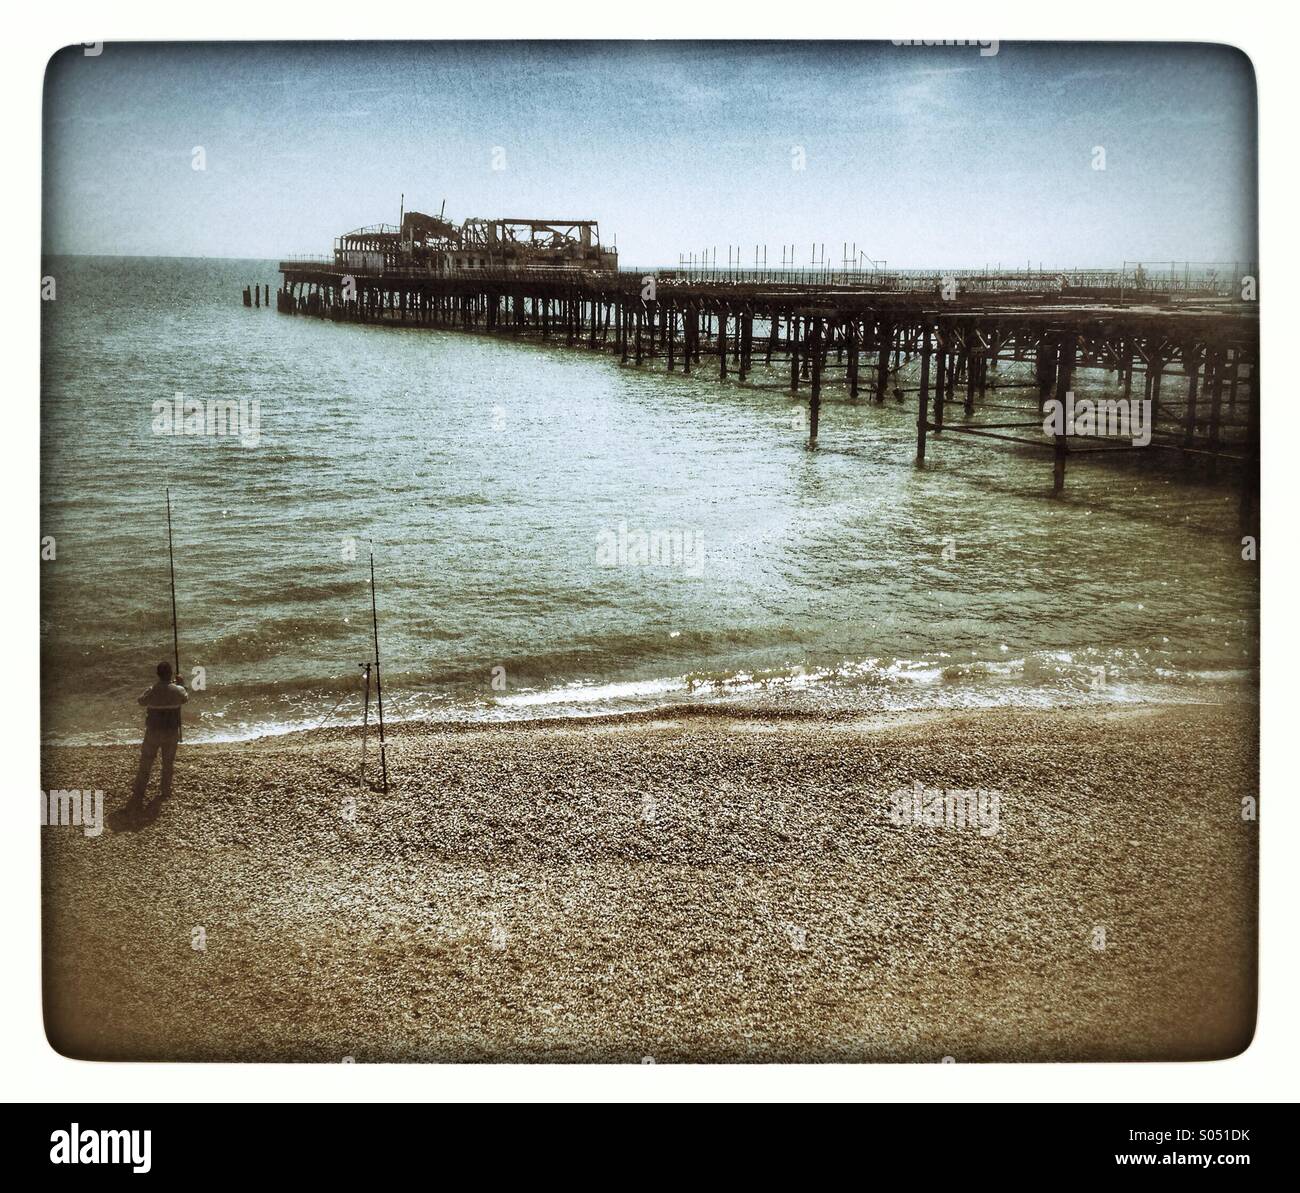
1216, 410
940, 370
1250, 463
972, 369
1191, 366
815, 399
853, 358
923, 400
1064, 375
885, 333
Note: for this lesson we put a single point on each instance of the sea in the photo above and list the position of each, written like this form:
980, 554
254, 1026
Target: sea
554, 534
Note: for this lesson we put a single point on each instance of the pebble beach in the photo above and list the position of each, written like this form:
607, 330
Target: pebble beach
725, 885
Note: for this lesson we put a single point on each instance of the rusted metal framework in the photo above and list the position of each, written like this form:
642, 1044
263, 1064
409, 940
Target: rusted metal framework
959, 360
426, 244
540, 244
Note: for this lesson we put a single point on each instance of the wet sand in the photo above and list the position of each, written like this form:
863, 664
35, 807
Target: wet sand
722, 886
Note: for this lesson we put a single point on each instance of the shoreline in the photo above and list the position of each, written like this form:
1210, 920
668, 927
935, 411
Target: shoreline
712, 885
1244, 695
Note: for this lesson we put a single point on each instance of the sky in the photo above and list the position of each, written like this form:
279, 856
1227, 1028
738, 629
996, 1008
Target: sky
924, 157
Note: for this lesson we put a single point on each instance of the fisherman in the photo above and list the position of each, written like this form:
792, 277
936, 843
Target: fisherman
162, 731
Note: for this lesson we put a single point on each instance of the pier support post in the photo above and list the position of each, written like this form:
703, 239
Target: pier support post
1216, 409
1045, 372
1191, 366
1060, 451
923, 402
815, 401
1250, 461
1155, 367
1064, 373
793, 335
940, 371
972, 358
854, 350
882, 364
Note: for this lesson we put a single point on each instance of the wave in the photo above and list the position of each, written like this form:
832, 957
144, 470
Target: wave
268, 707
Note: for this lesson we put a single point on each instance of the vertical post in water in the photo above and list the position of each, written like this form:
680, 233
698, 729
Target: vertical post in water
886, 334
1064, 375
972, 367
853, 357
1250, 463
815, 400
940, 372
1220, 356
1191, 366
923, 402
792, 335
379, 678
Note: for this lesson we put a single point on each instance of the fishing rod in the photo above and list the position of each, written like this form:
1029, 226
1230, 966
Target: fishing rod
171, 563
176, 641
379, 683
365, 723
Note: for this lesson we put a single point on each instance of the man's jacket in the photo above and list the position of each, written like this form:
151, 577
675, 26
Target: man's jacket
163, 704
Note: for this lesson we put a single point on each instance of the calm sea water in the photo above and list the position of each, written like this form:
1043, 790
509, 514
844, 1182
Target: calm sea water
496, 481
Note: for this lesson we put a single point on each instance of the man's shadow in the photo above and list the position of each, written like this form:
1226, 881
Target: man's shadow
132, 817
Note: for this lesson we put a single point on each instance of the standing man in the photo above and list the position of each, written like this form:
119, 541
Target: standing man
162, 731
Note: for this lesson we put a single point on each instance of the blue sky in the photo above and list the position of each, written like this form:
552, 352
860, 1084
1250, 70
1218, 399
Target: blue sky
923, 156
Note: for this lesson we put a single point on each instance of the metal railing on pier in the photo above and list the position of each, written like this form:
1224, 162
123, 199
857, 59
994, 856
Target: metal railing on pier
1213, 279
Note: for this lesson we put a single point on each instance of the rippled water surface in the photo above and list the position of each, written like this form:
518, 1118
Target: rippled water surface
504, 486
